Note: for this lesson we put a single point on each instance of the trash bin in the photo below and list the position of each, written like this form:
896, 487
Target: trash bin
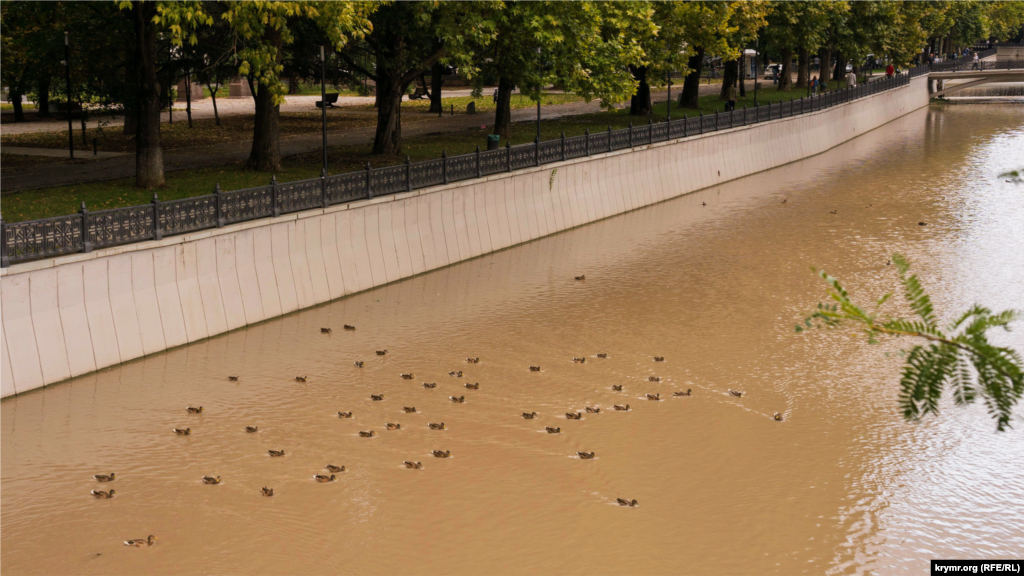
492, 141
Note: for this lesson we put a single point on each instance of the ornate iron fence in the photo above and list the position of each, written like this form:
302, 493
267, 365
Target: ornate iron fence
48, 237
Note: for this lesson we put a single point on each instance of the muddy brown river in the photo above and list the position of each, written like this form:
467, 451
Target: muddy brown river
842, 486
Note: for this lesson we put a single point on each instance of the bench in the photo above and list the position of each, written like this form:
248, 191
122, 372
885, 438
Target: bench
331, 98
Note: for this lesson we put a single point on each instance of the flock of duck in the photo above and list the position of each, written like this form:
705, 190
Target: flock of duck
414, 465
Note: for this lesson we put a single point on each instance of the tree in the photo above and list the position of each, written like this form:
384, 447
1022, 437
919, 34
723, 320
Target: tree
958, 357
264, 29
706, 28
798, 28
747, 20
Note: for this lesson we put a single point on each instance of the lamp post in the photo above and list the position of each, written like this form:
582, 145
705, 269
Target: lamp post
757, 56
67, 82
668, 103
323, 105
538, 98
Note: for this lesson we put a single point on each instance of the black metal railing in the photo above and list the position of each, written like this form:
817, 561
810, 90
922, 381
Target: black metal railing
82, 232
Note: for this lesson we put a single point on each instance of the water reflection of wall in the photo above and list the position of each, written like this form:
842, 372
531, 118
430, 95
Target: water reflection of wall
72, 315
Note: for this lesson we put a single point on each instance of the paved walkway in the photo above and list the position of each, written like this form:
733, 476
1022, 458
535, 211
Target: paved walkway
123, 166
59, 153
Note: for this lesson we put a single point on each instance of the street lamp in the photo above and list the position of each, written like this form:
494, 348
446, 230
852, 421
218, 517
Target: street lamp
757, 56
538, 98
67, 82
323, 106
668, 103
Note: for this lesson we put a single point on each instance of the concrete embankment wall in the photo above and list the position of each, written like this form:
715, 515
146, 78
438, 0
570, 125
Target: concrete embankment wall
68, 316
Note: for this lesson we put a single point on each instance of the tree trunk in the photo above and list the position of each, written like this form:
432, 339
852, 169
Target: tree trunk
786, 74
44, 96
265, 154
730, 74
803, 69
388, 138
436, 80
826, 66
293, 83
640, 103
503, 109
149, 157
213, 97
741, 73
840, 71
691, 84
15, 98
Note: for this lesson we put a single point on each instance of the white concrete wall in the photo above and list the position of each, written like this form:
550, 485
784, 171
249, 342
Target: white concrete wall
68, 316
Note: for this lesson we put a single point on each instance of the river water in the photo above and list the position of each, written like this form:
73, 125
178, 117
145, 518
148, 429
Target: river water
713, 281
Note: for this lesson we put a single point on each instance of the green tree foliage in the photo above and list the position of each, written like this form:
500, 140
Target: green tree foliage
958, 357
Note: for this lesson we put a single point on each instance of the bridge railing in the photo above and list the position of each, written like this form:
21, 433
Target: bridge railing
82, 232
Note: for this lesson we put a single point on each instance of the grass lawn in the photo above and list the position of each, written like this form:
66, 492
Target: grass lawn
101, 195
485, 103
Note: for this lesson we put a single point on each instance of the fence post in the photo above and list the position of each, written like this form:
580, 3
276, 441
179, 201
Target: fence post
536, 151
508, 155
5, 261
716, 119
801, 104
275, 209
563, 146
744, 114
586, 140
701, 122
650, 130
408, 173
477, 160
769, 111
86, 240
444, 165
323, 188
158, 232
685, 123
369, 190
219, 204
609, 137
630, 133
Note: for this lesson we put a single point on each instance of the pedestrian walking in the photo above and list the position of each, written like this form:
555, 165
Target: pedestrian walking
890, 70
975, 65
814, 85
731, 95
851, 79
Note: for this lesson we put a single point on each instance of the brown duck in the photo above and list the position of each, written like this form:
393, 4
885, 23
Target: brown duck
324, 479
442, 453
233, 378
654, 378
251, 429
382, 352
367, 433
140, 542
573, 416
391, 426
534, 368
347, 327
654, 397
434, 426
458, 399
103, 495
105, 477
360, 363
194, 410
301, 378
408, 376
183, 431
376, 397
617, 387
687, 393
529, 415
211, 480
551, 430
584, 277
579, 360
276, 453
333, 468
409, 409
344, 414
778, 417
430, 385
602, 355
456, 373
473, 360
267, 491
325, 330
621, 407
593, 410
659, 358
736, 393
627, 502
413, 465
586, 455
473, 386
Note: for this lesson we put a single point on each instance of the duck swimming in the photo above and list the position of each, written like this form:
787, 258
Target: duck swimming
551, 430
251, 429
584, 277
360, 363
442, 453
105, 477
735, 393
778, 417
376, 397
434, 426
529, 415
654, 378
430, 384
621, 407
382, 352
140, 542
183, 431
333, 468
301, 378
344, 414
325, 330
413, 465
211, 480
659, 358
627, 502
391, 426
267, 491
593, 410
408, 376
194, 410
473, 386
458, 400
617, 387
573, 416
103, 495
473, 360
456, 373
654, 396
275, 453
409, 409
534, 368
579, 360
367, 434
323, 479
347, 327
602, 355
233, 378
687, 393
586, 455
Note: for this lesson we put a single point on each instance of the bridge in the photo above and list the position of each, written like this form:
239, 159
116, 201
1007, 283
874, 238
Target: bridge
984, 72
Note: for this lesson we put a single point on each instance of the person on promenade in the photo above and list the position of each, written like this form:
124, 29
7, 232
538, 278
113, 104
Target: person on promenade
851, 79
975, 64
890, 70
731, 95
814, 85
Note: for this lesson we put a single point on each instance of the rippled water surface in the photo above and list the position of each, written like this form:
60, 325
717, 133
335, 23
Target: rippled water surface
843, 485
